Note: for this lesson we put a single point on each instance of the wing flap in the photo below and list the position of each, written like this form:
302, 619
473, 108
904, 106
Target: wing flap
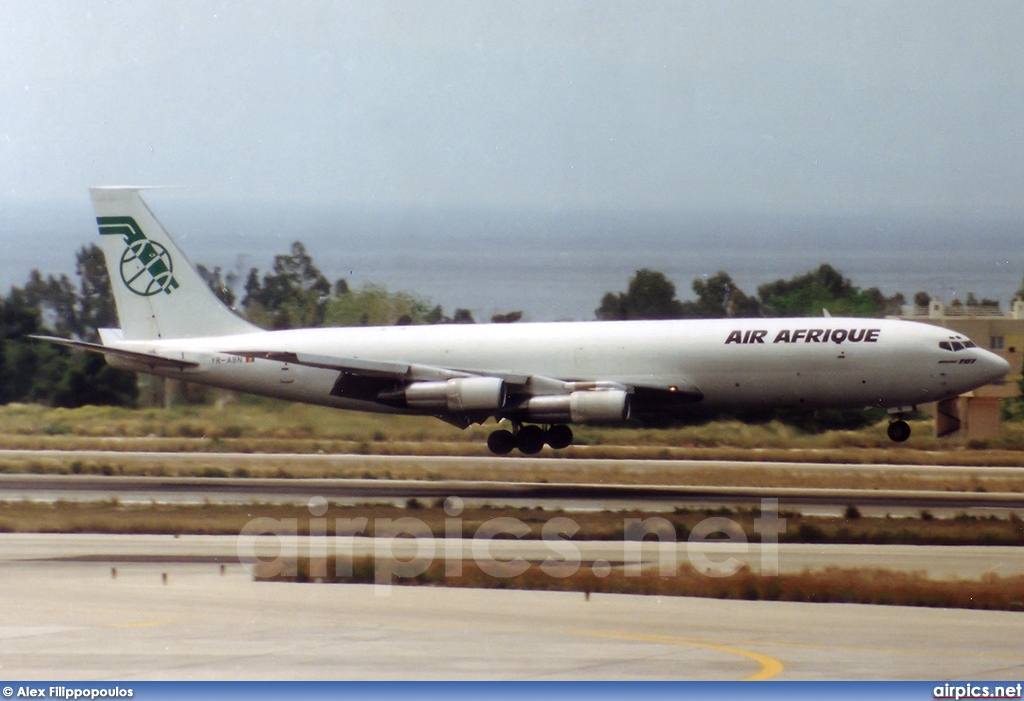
398, 371
402, 372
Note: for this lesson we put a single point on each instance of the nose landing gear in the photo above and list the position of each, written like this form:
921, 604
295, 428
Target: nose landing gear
529, 439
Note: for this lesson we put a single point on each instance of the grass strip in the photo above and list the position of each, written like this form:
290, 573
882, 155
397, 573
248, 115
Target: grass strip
112, 517
949, 454
833, 585
245, 423
519, 470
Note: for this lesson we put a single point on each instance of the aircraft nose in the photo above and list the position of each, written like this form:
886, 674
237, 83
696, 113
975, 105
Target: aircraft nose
993, 366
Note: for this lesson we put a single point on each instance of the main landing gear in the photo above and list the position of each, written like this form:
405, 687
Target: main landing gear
529, 439
899, 430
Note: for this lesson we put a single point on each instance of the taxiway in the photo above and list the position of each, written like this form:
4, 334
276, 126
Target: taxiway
75, 621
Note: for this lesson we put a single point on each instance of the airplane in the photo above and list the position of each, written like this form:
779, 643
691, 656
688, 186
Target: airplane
540, 377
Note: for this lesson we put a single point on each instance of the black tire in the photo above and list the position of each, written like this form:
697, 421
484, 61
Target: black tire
530, 440
899, 431
558, 436
501, 442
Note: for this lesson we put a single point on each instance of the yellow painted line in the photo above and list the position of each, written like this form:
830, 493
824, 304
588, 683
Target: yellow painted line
886, 650
770, 667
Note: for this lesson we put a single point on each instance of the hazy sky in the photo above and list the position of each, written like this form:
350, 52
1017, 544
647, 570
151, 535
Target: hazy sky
754, 106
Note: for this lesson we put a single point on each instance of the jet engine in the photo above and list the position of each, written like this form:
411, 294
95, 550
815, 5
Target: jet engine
599, 406
458, 395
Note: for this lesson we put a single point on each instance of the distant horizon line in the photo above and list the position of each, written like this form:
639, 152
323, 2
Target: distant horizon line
179, 196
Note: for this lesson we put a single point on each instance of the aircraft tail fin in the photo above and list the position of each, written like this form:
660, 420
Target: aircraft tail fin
157, 291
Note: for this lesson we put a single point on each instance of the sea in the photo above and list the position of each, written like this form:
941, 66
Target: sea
550, 263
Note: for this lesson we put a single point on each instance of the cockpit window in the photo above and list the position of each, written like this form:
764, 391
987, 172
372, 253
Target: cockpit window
956, 345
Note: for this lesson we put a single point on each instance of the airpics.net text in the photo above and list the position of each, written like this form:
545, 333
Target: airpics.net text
406, 547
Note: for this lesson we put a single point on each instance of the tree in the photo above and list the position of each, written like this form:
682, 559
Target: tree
886, 306
295, 295
922, 299
220, 284
32, 371
18, 363
613, 307
824, 288
973, 301
57, 302
68, 311
718, 296
374, 305
463, 316
88, 379
510, 318
96, 298
650, 295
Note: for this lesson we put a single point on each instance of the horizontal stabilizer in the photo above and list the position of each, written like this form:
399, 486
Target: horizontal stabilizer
134, 356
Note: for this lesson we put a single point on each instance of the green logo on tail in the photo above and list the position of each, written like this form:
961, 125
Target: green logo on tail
146, 266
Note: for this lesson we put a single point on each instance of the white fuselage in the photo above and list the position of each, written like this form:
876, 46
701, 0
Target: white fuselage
736, 364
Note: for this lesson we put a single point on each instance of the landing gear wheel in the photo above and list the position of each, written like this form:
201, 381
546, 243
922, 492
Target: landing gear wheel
899, 430
501, 442
530, 439
558, 436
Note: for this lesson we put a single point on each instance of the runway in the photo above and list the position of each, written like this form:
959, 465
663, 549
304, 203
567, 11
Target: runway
247, 490
75, 621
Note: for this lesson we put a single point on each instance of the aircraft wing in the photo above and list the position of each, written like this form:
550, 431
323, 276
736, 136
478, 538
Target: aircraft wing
404, 373
134, 356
